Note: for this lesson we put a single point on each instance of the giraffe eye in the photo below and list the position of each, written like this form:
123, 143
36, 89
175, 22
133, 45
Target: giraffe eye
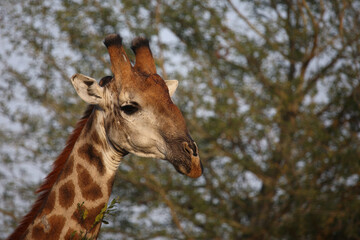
130, 109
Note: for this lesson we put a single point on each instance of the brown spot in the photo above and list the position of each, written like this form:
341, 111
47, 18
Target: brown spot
95, 139
90, 190
38, 232
56, 223
50, 203
68, 168
89, 221
88, 152
71, 234
67, 194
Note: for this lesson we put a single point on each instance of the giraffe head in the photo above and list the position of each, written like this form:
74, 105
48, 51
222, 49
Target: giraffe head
139, 115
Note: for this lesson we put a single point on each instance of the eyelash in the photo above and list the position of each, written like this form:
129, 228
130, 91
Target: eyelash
130, 108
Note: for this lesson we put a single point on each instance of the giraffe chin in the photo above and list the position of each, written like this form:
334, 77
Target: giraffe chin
196, 169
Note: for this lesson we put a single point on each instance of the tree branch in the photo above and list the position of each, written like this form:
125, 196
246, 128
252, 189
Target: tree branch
9, 213
158, 188
246, 20
160, 44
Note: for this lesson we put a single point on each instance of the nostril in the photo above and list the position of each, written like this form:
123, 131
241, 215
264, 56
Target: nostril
187, 148
191, 149
195, 152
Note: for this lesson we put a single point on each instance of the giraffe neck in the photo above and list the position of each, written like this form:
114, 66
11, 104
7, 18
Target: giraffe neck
82, 189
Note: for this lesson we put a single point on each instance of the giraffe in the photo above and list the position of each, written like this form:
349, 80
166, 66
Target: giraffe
131, 112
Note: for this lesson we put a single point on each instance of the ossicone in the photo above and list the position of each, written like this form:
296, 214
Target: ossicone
120, 63
144, 61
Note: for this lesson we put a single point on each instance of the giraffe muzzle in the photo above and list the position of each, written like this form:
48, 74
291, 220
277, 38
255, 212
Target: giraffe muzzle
196, 168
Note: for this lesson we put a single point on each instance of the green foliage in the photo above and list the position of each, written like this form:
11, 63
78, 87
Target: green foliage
82, 214
106, 211
270, 91
82, 211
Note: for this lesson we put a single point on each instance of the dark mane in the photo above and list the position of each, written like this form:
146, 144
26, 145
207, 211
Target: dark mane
44, 190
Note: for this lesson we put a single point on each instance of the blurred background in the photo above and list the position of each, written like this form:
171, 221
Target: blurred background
270, 91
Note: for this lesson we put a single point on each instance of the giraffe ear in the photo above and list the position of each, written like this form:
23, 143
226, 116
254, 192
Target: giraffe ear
88, 89
172, 85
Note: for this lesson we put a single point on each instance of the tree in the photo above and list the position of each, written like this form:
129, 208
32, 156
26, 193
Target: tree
270, 90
